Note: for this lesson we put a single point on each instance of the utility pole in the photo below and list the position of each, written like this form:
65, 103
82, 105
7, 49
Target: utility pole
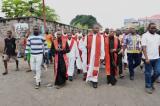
44, 15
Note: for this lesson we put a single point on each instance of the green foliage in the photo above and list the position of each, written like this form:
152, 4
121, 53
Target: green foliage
81, 26
141, 30
20, 8
83, 21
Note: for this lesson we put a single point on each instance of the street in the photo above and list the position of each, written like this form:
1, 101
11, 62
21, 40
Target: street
17, 89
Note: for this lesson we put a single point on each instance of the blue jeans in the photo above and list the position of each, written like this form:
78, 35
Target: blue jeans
134, 59
47, 59
149, 77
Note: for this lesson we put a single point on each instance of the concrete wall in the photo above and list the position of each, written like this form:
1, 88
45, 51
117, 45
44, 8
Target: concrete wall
8, 24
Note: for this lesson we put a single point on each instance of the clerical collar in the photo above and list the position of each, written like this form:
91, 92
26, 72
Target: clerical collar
111, 37
94, 33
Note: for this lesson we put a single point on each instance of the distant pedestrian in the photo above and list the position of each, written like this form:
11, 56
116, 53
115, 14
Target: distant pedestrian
9, 51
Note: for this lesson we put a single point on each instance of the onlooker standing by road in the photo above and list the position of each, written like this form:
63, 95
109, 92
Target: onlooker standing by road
9, 51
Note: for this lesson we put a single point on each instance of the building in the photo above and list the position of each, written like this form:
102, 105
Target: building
142, 22
153, 19
130, 23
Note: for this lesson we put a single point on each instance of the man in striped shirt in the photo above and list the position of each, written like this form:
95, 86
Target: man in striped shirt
37, 46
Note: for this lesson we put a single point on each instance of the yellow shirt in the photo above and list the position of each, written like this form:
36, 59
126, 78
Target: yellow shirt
49, 39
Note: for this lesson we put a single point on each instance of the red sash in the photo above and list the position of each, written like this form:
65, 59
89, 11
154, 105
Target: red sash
74, 37
56, 57
97, 52
72, 43
107, 54
65, 37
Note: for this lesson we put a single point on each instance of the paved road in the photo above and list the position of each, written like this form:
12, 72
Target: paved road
17, 89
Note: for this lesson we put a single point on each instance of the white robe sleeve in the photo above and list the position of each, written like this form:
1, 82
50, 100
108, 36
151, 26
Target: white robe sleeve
102, 48
81, 45
76, 49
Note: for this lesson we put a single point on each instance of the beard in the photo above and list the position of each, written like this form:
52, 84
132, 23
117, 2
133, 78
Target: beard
152, 32
36, 33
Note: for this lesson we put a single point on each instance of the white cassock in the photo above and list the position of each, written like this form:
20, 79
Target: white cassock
90, 76
83, 49
78, 60
72, 55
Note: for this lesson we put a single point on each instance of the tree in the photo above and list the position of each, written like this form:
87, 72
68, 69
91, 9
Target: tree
83, 21
141, 30
20, 8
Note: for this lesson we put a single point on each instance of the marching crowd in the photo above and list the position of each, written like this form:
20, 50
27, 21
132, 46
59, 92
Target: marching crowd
74, 51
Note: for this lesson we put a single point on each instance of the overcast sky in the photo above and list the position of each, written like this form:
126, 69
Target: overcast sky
109, 13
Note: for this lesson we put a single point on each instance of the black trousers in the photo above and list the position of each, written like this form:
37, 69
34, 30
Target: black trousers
120, 65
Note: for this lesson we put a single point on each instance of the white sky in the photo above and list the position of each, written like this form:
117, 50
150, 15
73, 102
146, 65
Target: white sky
109, 13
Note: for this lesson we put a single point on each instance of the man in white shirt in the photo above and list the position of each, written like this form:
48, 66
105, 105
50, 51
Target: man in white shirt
72, 56
151, 44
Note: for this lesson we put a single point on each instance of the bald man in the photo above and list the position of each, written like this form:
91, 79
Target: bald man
60, 48
95, 53
112, 48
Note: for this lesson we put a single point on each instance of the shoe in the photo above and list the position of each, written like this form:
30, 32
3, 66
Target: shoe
70, 78
141, 67
57, 87
95, 84
84, 76
38, 85
78, 71
17, 69
114, 82
34, 77
132, 78
5, 73
121, 76
149, 90
153, 88
49, 85
28, 70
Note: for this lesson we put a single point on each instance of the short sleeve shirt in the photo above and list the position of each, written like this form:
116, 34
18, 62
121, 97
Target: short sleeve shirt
152, 43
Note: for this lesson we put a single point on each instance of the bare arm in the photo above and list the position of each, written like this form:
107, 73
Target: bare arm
145, 52
5, 47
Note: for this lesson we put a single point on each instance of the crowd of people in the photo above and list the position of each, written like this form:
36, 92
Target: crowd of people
76, 52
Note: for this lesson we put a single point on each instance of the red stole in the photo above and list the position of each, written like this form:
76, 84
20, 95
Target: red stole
56, 57
107, 54
97, 52
65, 37
74, 37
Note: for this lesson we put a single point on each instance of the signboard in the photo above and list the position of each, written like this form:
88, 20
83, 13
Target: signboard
21, 29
